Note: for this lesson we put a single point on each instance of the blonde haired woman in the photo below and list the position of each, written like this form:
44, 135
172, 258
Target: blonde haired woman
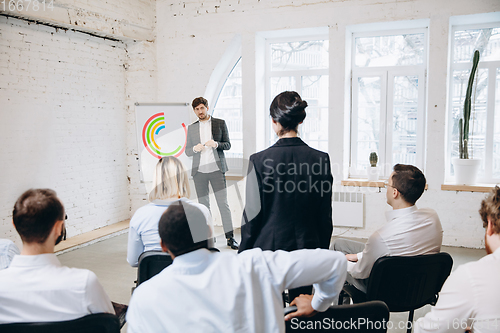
170, 184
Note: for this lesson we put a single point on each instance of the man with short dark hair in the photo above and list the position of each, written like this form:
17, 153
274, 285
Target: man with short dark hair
409, 231
207, 138
36, 287
204, 291
470, 297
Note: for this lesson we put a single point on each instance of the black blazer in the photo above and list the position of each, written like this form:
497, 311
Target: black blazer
288, 198
220, 134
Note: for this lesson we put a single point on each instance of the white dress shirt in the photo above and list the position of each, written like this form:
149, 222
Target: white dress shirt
207, 158
38, 288
143, 232
7, 252
469, 297
408, 232
227, 292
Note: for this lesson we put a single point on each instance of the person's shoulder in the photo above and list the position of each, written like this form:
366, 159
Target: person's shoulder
198, 205
143, 211
4, 241
427, 210
258, 156
251, 253
76, 278
429, 213
315, 151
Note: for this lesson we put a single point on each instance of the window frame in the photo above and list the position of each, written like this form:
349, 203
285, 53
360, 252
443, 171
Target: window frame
491, 66
387, 75
297, 74
232, 169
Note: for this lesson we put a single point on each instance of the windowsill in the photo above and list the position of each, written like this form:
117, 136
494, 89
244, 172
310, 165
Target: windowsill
234, 177
362, 183
468, 188
366, 183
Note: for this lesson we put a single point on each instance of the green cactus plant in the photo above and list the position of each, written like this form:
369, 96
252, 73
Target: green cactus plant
373, 159
463, 123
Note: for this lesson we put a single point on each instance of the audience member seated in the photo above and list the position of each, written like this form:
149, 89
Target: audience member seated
36, 287
7, 252
205, 291
470, 297
409, 231
170, 184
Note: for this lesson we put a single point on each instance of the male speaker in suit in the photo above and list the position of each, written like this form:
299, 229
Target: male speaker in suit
207, 139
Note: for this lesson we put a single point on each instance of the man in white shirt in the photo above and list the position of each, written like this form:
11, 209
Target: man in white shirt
7, 252
36, 287
470, 297
207, 138
205, 291
409, 231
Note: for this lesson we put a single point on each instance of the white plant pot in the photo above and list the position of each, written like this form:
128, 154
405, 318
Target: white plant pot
372, 174
466, 170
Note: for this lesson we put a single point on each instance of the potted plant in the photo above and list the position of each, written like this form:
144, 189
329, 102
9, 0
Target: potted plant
466, 168
373, 170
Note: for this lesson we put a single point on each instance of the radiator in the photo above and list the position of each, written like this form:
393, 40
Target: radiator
348, 209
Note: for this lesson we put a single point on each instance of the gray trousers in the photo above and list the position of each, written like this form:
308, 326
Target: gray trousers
347, 246
218, 182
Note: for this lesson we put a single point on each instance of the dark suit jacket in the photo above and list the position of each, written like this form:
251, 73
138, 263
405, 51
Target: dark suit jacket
294, 190
220, 134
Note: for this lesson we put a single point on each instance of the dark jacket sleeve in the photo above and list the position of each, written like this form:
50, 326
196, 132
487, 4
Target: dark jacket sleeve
325, 224
251, 223
224, 143
189, 142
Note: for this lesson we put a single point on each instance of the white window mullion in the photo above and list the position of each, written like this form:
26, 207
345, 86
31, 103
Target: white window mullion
421, 120
386, 121
354, 125
490, 123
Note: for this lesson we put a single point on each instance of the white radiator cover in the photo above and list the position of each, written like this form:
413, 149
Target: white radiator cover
348, 209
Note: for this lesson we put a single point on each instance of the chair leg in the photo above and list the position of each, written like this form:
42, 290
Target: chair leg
341, 297
409, 324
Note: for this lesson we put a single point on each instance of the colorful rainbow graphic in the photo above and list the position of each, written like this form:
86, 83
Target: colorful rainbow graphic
152, 128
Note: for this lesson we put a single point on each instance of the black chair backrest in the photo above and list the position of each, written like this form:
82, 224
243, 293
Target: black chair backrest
366, 317
407, 283
95, 323
151, 263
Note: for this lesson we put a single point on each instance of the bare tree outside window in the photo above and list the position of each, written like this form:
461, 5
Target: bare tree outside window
302, 66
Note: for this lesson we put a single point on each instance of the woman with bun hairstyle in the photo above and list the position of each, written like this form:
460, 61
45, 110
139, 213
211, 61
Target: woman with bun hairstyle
170, 183
289, 187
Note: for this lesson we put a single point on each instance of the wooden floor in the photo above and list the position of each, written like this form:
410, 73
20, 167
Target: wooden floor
92, 236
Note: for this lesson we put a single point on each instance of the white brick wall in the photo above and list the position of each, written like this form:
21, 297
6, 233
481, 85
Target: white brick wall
141, 86
63, 123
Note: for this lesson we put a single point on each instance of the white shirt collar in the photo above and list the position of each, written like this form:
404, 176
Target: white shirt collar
193, 262
396, 213
35, 260
192, 258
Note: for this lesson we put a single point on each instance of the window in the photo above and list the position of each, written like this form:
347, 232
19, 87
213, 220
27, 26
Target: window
301, 65
388, 99
484, 138
228, 106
